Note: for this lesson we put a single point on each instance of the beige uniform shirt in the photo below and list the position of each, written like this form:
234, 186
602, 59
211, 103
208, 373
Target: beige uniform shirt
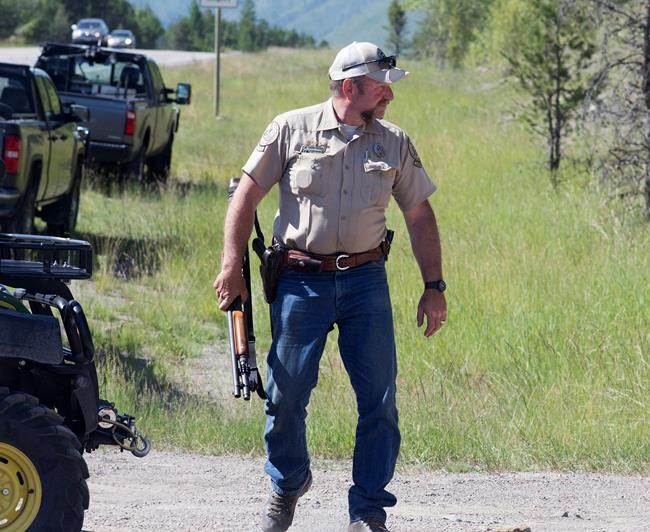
333, 193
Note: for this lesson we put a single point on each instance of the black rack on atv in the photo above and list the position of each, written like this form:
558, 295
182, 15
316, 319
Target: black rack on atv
50, 409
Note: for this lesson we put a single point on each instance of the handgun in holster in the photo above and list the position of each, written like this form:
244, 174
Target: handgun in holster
386, 243
271, 261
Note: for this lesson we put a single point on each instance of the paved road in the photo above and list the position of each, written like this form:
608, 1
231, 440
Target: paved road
28, 56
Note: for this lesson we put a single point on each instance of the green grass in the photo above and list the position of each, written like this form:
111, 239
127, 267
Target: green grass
544, 360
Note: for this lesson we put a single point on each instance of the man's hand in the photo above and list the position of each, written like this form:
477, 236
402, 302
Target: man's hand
228, 285
434, 306
238, 225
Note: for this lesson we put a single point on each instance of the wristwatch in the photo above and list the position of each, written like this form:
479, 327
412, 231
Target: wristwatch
439, 285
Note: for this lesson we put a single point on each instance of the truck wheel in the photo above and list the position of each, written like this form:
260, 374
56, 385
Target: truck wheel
61, 216
136, 168
42, 473
23, 220
159, 165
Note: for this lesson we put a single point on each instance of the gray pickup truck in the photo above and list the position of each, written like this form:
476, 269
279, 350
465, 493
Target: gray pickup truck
133, 116
42, 148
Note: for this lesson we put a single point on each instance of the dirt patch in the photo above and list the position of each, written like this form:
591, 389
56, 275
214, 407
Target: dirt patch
189, 492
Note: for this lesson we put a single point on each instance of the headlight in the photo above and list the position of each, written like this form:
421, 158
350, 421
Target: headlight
128, 41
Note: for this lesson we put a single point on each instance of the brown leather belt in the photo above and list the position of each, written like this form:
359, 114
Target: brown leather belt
300, 260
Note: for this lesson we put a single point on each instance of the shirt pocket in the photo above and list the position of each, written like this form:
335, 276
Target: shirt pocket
378, 180
309, 174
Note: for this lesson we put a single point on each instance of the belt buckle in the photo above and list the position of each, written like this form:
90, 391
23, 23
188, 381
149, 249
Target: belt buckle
342, 268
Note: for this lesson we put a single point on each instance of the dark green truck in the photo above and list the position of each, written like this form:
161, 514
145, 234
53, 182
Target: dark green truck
42, 148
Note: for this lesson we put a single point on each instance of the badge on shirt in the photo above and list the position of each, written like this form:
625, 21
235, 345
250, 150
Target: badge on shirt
270, 135
416, 158
378, 150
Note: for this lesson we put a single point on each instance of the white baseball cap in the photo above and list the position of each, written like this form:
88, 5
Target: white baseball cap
365, 59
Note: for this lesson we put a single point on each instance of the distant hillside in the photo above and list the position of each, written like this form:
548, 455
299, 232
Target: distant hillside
331, 20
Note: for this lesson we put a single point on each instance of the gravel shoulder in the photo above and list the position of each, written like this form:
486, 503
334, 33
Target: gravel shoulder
190, 492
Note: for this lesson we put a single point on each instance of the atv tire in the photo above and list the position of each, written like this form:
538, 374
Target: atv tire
42, 473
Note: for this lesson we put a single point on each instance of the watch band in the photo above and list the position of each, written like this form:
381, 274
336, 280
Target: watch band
439, 285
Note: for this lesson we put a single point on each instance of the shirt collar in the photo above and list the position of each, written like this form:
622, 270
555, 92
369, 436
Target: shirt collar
328, 120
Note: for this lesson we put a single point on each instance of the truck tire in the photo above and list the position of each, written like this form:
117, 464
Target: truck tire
159, 165
136, 168
61, 216
23, 219
42, 471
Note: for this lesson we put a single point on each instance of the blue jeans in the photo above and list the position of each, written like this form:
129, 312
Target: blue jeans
305, 309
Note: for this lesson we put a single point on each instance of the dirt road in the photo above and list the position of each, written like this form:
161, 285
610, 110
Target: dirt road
183, 492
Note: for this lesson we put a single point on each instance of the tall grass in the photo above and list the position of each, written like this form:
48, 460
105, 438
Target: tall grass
544, 360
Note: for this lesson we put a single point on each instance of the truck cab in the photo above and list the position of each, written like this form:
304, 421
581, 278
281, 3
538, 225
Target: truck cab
42, 148
134, 116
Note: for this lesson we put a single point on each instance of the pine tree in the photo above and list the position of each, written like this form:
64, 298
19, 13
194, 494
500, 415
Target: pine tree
248, 38
396, 27
554, 47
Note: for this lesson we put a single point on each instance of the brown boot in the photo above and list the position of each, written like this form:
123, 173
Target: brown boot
278, 514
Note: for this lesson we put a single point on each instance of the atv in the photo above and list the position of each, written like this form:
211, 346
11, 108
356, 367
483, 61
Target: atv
50, 409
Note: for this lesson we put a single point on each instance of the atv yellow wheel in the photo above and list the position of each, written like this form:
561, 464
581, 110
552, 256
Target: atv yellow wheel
20, 489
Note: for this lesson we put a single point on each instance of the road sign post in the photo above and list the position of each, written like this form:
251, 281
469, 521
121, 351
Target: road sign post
217, 5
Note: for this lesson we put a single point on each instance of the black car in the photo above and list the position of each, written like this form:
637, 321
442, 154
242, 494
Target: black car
90, 31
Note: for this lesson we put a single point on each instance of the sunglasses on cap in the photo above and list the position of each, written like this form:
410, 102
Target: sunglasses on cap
389, 61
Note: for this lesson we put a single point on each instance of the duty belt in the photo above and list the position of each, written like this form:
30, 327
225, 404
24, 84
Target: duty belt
311, 262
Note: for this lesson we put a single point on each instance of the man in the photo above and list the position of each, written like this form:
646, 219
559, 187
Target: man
337, 164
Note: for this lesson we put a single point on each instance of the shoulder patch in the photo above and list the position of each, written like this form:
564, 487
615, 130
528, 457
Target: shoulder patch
271, 134
416, 158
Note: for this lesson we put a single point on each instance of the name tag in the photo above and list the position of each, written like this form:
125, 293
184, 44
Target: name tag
313, 148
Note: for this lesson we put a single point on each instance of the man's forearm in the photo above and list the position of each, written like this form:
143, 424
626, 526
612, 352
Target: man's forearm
425, 240
238, 225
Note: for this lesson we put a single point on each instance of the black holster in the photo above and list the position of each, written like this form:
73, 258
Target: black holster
385, 245
271, 260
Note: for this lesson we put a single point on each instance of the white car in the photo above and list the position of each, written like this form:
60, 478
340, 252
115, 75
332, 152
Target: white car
121, 39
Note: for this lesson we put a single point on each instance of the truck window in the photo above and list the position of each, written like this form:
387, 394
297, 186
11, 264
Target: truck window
14, 96
57, 68
103, 75
42, 93
111, 78
53, 97
156, 79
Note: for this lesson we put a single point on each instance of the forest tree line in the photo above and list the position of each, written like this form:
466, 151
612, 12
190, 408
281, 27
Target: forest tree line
36, 21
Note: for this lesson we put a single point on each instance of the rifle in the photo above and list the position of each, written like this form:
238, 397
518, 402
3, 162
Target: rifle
245, 376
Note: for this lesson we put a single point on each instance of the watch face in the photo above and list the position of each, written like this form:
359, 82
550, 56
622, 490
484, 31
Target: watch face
442, 286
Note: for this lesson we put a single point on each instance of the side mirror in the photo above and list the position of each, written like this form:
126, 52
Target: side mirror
183, 93
80, 113
73, 27
82, 134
